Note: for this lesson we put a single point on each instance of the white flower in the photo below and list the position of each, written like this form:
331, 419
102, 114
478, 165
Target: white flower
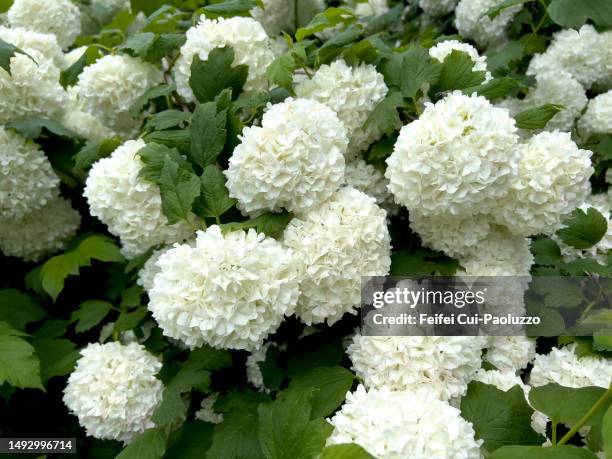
277, 16
453, 235
113, 390
553, 179
245, 36
129, 205
365, 177
437, 7
207, 413
27, 180
107, 88
472, 21
253, 372
62, 18
84, 124
40, 232
150, 269
577, 52
445, 48
112, 6
31, 89
510, 353
445, 364
558, 87
564, 367
352, 93
295, 160
407, 424
598, 116
338, 242
457, 158
44, 43
229, 291
371, 7
72, 56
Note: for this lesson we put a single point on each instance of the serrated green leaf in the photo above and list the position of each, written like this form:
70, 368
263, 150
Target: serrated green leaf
496, 10
19, 366
271, 225
139, 104
499, 61
138, 45
411, 70
331, 17
179, 139
271, 368
130, 320
151, 444
170, 410
178, 188
230, 8
499, 418
236, 437
167, 119
210, 77
91, 152
208, 133
338, 43
57, 357
70, 76
146, 6
36, 127
546, 252
7, 51
214, 199
191, 441
537, 452
90, 314
19, 309
575, 13
154, 156
458, 73
494, 89
537, 117
423, 262
280, 71
385, 116
583, 230
345, 451
607, 432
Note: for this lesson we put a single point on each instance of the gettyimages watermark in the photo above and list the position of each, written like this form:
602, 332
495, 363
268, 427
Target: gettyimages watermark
495, 306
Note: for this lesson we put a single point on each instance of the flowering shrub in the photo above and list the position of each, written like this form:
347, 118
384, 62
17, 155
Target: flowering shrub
192, 190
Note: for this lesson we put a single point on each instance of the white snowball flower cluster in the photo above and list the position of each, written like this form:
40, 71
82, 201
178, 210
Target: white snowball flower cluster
61, 18
579, 53
107, 88
445, 48
471, 21
207, 413
31, 89
229, 291
352, 93
129, 205
277, 16
558, 87
294, 160
598, 116
27, 180
85, 124
113, 390
40, 232
338, 242
403, 424
552, 180
457, 158
445, 364
44, 43
510, 353
564, 367
437, 7
371, 7
245, 36
365, 177
150, 269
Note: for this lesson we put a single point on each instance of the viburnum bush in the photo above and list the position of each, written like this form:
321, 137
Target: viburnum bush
191, 191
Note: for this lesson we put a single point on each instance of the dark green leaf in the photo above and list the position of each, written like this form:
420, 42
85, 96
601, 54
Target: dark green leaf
18, 364
536, 452
191, 441
272, 370
19, 309
575, 13
170, 410
146, 6
271, 225
70, 76
5, 5
423, 262
499, 61
130, 320
167, 119
138, 44
325, 20
90, 314
385, 116
496, 10
236, 437
92, 152
494, 89
210, 77
174, 138
208, 133
139, 104
154, 156
546, 252
411, 70
607, 432
583, 230
457, 73
178, 188
7, 51
345, 451
149, 445
214, 199
230, 8
536, 118
33, 128
57, 357
326, 355
280, 71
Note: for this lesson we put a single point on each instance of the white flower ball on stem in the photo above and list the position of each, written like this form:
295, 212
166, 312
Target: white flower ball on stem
598, 116
445, 48
25, 39
149, 270
294, 161
371, 7
277, 16
406, 424
27, 180
365, 177
338, 242
353, 93
510, 353
61, 18
457, 158
228, 291
41, 232
246, 36
114, 391
472, 21
437, 7
129, 205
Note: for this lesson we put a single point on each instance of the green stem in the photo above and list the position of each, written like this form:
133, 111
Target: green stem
554, 433
598, 404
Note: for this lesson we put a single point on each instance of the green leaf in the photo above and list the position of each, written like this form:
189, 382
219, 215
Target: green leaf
385, 116
170, 410
499, 61
139, 104
272, 370
411, 70
214, 199
208, 133
18, 364
19, 309
496, 10
537, 452
607, 432
345, 451
167, 119
154, 156
151, 444
332, 384
575, 13
7, 51
280, 71
494, 89
499, 418
583, 230
33, 128
314, 355
178, 189
179, 139
70, 76
165, 44
286, 430
138, 44
5, 5
57, 357
537, 117
602, 340
236, 437
271, 225
230, 8
191, 441
92, 152
210, 77
90, 314
130, 320
331, 17
423, 262
457, 73
146, 6
338, 43
546, 252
